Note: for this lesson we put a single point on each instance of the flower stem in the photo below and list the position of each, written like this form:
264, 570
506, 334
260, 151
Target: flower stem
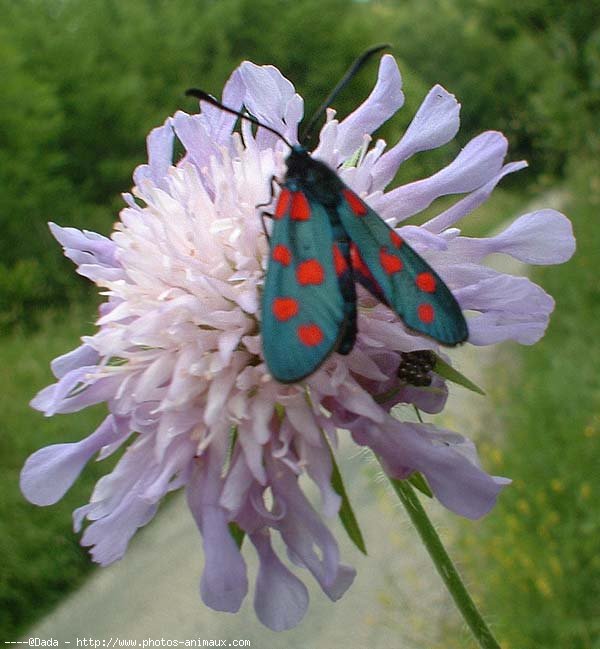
444, 565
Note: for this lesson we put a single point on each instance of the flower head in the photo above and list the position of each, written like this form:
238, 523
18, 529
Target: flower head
177, 355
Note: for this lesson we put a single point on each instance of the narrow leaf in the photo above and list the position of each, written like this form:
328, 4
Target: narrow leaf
346, 513
280, 412
237, 533
116, 361
233, 435
352, 161
417, 480
448, 372
386, 396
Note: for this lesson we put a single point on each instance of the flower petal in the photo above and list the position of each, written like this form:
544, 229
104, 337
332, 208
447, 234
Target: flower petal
159, 145
270, 97
458, 484
74, 391
491, 328
83, 355
452, 215
343, 580
303, 532
224, 583
435, 123
541, 237
86, 248
317, 460
475, 165
237, 485
385, 99
50, 472
111, 534
505, 294
219, 123
281, 599
510, 308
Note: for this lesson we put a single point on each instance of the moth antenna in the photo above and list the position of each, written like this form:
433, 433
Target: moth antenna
342, 83
204, 96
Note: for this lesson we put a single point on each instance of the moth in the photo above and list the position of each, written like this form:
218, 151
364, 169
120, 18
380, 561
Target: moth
324, 239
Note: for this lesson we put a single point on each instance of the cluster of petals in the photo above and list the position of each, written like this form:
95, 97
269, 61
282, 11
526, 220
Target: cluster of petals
177, 353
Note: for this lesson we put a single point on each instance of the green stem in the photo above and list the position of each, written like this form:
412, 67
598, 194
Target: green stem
444, 565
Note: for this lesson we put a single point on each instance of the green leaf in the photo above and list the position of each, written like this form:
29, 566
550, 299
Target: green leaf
237, 532
448, 372
386, 396
417, 480
346, 513
116, 361
280, 412
352, 161
233, 435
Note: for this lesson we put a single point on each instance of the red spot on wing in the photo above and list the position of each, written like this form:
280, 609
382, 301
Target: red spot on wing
284, 308
283, 203
339, 261
396, 239
282, 254
390, 263
357, 261
362, 271
425, 313
310, 334
310, 272
300, 208
356, 205
425, 282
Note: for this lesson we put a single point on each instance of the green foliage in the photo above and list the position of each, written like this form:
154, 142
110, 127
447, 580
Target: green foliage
451, 374
41, 557
529, 69
346, 513
536, 559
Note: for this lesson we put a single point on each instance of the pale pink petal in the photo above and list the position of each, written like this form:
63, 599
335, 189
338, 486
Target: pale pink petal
459, 210
281, 599
79, 357
385, 99
318, 466
270, 97
475, 165
111, 534
457, 483
74, 391
435, 123
224, 583
50, 472
542, 237
303, 531
159, 145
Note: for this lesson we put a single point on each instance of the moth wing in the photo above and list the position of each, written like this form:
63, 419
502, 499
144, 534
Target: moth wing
410, 286
302, 309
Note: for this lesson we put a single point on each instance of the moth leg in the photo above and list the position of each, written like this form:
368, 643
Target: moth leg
274, 183
264, 226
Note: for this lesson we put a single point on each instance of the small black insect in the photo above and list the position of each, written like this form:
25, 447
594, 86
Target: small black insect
415, 367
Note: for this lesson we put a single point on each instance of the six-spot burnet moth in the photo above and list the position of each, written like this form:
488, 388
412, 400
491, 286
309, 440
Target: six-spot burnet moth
324, 238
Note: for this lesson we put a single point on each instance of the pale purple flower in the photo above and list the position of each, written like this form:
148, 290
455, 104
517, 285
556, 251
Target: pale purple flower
177, 353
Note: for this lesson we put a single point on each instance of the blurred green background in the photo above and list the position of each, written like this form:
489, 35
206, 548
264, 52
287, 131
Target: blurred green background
83, 81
